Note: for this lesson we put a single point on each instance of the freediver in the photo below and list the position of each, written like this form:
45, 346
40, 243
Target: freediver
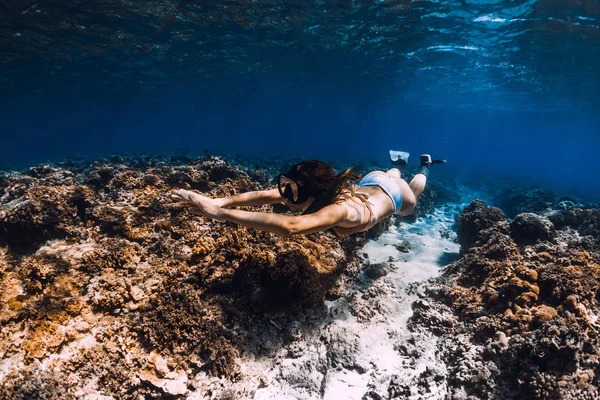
326, 200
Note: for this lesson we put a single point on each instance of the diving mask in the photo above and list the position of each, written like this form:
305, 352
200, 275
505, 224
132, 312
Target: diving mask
292, 189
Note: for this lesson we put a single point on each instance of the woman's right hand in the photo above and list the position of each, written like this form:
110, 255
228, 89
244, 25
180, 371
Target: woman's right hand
203, 205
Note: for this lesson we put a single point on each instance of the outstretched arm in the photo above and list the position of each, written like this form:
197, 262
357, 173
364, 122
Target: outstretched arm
257, 198
285, 225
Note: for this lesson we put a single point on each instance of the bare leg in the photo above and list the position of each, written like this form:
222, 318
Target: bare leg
409, 197
411, 192
394, 173
417, 185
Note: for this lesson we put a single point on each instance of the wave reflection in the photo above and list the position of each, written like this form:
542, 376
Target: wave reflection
553, 46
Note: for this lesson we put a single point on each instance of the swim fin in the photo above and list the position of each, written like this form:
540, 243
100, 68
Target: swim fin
426, 162
399, 158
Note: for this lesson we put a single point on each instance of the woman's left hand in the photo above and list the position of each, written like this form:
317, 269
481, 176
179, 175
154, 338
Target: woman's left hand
203, 205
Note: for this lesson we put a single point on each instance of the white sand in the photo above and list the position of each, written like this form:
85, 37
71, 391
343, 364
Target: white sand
356, 350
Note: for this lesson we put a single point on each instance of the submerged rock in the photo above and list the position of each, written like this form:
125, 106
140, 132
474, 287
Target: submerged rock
104, 270
403, 247
42, 213
585, 221
526, 299
475, 218
516, 200
528, 228
113, 290
376, 271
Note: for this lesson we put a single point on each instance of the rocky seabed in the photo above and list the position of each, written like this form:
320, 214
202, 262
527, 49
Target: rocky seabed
110, 290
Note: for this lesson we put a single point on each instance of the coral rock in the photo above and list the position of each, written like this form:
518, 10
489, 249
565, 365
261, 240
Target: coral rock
376, 271
542, 294
543, 314
98, 254
475, 218
528, 228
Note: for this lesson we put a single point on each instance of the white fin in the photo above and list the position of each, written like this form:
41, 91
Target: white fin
396, 155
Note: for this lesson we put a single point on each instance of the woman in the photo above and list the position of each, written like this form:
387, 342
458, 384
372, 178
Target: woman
327, 200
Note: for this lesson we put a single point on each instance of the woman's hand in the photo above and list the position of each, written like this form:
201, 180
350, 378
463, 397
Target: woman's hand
202, 205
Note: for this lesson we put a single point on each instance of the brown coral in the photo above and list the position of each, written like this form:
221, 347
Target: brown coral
41, 213
542, 296
104, 268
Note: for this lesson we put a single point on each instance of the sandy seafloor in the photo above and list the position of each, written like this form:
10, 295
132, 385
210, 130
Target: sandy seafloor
356, 351
110, 290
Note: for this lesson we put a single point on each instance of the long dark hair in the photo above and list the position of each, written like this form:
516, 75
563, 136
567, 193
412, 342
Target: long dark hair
323, 183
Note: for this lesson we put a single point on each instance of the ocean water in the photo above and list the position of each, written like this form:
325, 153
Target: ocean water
111, 289
500, 88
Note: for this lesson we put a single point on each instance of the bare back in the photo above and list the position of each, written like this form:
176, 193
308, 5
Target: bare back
361, 216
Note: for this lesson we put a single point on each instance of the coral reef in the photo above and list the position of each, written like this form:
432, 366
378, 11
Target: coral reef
529, 228
109, 288
585, 221
474, 219
35, 213
517, 199
117, 290
526, 300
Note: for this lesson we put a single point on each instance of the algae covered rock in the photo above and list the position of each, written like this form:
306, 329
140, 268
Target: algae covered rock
585, 221
475, 218
42, 213
528, 228
515, 200
106, 277
525, 313
3, 182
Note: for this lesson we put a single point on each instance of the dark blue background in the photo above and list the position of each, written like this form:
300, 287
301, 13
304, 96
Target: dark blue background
501, 89
355, 121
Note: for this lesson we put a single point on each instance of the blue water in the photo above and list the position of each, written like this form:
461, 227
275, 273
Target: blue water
500, 88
